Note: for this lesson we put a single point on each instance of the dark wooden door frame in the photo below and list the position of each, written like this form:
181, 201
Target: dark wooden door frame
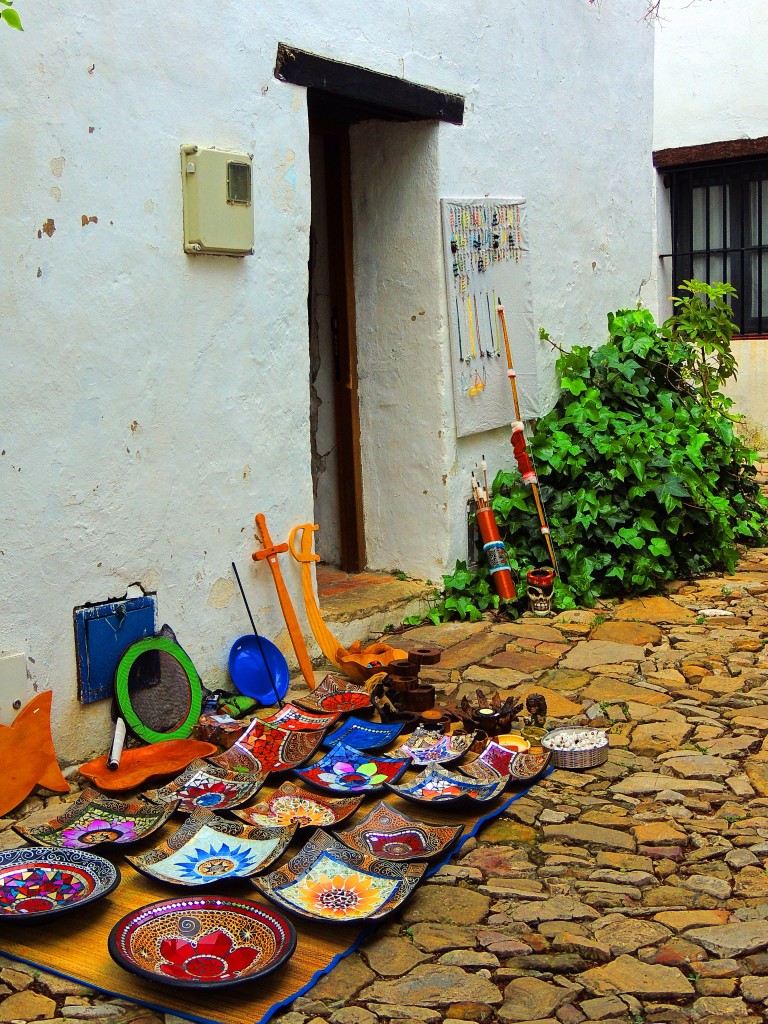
338, 200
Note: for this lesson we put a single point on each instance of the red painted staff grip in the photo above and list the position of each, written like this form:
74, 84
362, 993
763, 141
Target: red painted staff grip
496, 554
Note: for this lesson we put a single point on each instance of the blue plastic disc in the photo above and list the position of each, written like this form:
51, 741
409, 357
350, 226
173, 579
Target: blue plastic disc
249, 673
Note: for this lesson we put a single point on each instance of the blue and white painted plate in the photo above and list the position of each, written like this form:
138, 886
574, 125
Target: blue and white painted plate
209, 849
362, 735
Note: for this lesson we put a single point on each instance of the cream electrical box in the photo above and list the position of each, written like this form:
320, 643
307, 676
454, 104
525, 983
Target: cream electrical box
218, 206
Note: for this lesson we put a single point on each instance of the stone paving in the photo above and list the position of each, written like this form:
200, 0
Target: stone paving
633, 892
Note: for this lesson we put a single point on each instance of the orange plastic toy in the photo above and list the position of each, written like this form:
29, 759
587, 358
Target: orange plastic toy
358, 662
27, 757
270, 552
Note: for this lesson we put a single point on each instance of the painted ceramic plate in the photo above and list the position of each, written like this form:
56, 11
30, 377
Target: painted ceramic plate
494, 763
39, 882
94, 819
337, 695
327, 881
438, 786
208, 786
514, 741
362, 735
390, 835
290, 805
426, 747
292, 717
208, 849
527, 765
202, 942
346, 770
267, 748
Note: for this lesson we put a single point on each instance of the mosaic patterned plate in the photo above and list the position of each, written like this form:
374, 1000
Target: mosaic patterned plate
362, 735
38, 882
267, 748
94, 819
426, 747
292, 717
290, 805
346, 770
202, 942
494, 763
529, 765
327, 881
437, 786
208, 849
390, 835
208, 786
338, 695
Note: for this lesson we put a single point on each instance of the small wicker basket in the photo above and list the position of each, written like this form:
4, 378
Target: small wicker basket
590, 757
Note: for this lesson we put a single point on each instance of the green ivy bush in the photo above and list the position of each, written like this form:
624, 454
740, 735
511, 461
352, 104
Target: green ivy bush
642, 474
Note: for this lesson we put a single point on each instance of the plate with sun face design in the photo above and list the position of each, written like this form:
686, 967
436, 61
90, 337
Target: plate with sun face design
94, 819
327, 881
291, 805
209, 849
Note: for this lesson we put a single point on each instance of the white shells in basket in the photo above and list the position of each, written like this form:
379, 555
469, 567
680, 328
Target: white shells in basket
574, 739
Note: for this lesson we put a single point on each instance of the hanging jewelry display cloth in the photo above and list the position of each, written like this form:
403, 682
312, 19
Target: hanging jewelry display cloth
75, 946
487, 260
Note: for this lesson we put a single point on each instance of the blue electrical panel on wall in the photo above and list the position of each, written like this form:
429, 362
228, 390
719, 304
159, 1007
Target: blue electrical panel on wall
102, 633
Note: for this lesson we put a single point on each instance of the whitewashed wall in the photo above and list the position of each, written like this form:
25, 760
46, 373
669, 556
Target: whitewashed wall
711, 85
153, 402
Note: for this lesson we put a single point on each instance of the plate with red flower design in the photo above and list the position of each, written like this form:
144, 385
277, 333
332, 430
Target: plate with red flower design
94, 819
202, 943
327, 881
207, 786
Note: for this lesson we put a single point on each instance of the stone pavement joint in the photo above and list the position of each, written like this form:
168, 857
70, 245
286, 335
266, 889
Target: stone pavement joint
633, 893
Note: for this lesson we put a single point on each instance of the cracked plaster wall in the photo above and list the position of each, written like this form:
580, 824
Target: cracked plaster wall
153, 402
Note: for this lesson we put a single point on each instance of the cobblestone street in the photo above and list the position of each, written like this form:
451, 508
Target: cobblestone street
633, 892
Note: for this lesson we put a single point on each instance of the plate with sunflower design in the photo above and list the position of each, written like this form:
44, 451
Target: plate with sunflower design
327, 881
40, 882
202, 942
291, 805
269, 748
94, 819
347, 770
363, 735
437, 785
208, 786
386, 833
207, 849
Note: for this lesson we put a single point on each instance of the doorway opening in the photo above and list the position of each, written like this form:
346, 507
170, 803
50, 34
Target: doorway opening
361, 164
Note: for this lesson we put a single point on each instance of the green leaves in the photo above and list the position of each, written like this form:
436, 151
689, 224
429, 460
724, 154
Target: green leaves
9, 16
642, 474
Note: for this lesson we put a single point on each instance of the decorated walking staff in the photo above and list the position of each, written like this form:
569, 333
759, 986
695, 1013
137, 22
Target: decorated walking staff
524, 463
270, 552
